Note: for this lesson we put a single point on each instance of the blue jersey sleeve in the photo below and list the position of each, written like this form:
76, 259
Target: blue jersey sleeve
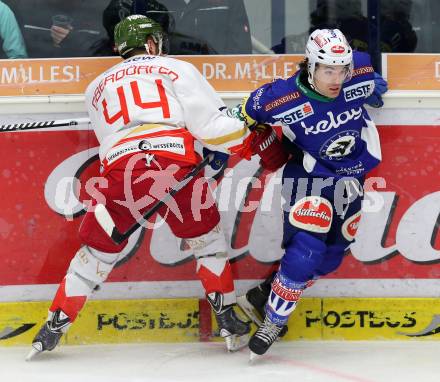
270, 99
361, 84
362, 68
252, 108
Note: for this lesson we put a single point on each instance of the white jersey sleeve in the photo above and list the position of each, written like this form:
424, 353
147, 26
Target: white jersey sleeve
201, 106
164, 100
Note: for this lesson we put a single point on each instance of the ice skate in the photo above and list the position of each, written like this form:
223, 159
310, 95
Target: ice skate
50, 334
232, 328
254, 302
263, 338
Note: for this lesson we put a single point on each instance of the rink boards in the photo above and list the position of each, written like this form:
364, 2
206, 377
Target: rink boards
45, 176
190, 320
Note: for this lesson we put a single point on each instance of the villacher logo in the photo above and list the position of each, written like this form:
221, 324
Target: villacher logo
312, 213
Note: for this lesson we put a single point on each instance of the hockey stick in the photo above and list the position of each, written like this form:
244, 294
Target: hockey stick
43, 124
108, 225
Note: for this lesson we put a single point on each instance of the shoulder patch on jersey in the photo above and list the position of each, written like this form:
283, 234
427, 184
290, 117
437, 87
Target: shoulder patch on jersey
256, 99
312, 213
350, 226
362, 70
281, 100
242, 114
359, 90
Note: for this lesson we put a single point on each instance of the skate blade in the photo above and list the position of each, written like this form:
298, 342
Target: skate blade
253, 357
235, 342
249, 310
36, 348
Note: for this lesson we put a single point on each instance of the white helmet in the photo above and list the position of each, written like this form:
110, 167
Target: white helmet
329, 47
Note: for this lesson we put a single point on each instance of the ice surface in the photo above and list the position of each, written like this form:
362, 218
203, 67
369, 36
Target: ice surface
209, 362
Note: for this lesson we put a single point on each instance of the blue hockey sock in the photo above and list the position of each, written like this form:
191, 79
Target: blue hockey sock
283, 298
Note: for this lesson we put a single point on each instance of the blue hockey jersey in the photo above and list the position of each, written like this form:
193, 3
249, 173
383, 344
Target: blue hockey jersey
336, 136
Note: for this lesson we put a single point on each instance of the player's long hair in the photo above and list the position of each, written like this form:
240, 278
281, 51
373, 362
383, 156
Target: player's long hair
303, 65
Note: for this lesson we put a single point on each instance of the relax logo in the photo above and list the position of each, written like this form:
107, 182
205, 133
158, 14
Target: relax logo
333, 122
9, 332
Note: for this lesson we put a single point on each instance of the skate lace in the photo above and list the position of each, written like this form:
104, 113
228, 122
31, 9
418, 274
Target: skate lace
269, 331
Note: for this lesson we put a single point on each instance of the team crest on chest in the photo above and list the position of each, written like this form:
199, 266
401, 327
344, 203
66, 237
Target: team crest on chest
334, 121
339, 145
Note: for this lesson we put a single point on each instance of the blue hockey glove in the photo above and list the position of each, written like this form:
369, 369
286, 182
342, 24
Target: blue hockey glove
219, 160
380, 87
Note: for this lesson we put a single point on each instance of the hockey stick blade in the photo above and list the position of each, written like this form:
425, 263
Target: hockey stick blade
43, 124
108, 225
249, 310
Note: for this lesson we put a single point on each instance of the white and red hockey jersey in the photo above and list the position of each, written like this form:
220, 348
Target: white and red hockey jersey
158, 105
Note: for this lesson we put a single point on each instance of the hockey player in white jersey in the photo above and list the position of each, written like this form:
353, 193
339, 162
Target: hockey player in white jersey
147, 112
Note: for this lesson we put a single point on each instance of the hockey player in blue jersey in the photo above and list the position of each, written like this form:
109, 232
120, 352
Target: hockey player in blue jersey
332, 144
